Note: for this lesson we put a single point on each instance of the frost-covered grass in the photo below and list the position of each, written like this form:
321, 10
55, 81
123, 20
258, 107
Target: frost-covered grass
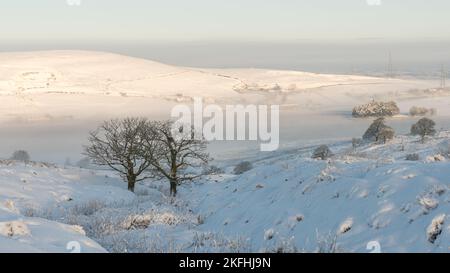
363, 194
287, 202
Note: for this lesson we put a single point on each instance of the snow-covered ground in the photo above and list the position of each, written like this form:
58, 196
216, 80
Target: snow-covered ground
26, 188
73, 85
287, 202
49, 100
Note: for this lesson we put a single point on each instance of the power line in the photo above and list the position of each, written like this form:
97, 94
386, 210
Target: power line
390, 66
443, 77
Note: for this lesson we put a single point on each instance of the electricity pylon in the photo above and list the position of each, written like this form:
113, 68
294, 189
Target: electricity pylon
390, 67
443, 77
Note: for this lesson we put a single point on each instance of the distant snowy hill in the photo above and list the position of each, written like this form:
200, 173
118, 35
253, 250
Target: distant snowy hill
67, 85
287, 202
110, 74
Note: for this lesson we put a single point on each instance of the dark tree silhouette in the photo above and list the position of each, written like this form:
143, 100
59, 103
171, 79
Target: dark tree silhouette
424, 127
120, 145
378, 131
21, 155
176, 155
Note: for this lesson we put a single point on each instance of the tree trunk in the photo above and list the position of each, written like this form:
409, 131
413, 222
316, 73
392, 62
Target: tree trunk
131, 183
173, 187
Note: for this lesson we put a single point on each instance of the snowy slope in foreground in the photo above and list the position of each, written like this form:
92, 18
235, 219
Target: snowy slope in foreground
24, 189
287, 202
363, 195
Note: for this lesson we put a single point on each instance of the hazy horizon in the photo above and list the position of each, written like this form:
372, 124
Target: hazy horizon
371, 57
325, 36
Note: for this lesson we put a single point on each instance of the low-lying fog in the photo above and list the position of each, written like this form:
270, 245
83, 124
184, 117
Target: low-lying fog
58, 140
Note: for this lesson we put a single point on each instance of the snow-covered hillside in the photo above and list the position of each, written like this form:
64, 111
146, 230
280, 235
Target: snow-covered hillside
366, 194
80, 72
73, 85
287, 202
25, 188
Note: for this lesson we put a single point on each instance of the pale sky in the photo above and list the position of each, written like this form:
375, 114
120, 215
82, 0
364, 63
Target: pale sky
219, 20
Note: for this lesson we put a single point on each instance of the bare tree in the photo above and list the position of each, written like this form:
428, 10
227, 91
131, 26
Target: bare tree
175, 155
424, 127
119, 144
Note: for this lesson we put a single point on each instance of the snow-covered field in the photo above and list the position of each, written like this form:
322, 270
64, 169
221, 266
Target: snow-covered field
58, 96
286, 203
68, 86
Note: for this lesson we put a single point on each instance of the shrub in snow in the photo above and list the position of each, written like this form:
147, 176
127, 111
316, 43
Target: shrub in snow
356, 142
209, 170
412, 157
84, 163
14, 228
378, 131
294, 220
88, 208
142, 221
327, 243
438, 189
422, 111
376, 109
424, 127
428, 203
138, 242
282, 246
200, 219
435, 158
346, 226
435, 228
21, 155
136, 222
242, 167
219, 243
268, 235
322, 152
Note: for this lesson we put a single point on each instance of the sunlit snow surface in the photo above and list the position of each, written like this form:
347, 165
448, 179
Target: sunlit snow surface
51, 99
287, 202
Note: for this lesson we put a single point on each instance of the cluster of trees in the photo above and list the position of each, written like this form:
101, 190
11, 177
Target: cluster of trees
379, 132
376, 109
422, 111
140, 149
